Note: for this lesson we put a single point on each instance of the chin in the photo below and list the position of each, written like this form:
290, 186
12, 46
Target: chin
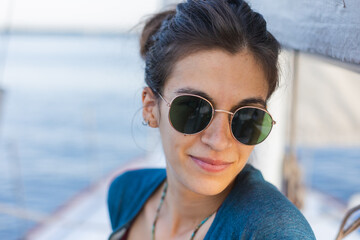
210, 186
210, 181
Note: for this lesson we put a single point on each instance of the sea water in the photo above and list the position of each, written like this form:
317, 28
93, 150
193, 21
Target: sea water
70, 117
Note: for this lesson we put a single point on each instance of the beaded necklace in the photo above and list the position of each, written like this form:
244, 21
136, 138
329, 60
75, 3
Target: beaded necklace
158, 210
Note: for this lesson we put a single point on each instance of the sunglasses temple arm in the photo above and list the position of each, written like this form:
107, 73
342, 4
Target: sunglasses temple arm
167, 103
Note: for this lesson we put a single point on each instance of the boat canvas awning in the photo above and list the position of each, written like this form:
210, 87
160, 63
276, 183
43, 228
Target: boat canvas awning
330, 28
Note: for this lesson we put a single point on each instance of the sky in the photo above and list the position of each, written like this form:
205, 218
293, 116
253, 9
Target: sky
75, 15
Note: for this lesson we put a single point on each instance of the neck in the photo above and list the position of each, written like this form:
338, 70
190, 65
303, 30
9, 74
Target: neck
185, 209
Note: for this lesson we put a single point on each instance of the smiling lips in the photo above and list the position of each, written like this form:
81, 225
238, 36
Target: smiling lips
210, 165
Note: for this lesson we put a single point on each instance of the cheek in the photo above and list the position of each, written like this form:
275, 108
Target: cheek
176, 146
173, 142
244, 153
244, 150
169, 137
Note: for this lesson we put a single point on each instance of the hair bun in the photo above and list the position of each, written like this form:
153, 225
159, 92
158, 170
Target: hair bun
152, 25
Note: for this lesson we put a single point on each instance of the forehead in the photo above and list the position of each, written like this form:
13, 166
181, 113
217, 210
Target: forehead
226, 78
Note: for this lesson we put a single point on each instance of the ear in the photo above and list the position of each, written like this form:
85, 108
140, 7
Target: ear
150, 107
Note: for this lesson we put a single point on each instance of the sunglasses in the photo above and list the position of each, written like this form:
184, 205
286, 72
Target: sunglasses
191, 114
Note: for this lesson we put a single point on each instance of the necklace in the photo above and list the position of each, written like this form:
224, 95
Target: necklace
158, 210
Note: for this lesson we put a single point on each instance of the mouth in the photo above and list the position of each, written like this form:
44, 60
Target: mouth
210, 165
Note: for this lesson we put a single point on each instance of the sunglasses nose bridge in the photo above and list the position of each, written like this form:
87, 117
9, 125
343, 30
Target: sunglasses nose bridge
218, 133
227, 112
224, 111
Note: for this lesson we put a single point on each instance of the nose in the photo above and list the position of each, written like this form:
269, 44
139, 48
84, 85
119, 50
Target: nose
217, 135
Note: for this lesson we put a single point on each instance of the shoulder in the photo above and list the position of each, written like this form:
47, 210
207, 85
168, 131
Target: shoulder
129, 191
137, 177
261, 211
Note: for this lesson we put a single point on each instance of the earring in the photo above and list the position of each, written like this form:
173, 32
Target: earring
145, 123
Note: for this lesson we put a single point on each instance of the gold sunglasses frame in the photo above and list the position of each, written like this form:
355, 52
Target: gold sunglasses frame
168, 104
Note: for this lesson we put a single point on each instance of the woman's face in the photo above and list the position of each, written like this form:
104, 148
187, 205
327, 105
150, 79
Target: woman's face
230, 81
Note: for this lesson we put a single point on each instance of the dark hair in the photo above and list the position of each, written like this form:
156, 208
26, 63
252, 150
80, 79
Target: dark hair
197, 25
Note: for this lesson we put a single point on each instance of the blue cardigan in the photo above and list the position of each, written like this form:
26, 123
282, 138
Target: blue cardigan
254, 209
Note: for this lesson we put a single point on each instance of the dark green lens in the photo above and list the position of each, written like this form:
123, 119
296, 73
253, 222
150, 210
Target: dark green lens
190, 114
251, 126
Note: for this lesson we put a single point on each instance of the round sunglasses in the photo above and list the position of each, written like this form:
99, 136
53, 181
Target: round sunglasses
192, 114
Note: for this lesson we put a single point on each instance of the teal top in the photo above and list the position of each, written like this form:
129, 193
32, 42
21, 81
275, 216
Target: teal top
254, 209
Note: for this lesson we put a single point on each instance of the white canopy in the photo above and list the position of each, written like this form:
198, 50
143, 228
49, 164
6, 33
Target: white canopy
329, 28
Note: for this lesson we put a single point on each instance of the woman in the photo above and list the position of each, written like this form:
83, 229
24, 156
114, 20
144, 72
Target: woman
211, 66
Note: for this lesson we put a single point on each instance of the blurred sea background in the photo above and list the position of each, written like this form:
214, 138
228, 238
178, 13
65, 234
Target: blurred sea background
70, 117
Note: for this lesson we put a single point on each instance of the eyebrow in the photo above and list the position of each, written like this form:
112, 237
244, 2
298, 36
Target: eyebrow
244, 102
